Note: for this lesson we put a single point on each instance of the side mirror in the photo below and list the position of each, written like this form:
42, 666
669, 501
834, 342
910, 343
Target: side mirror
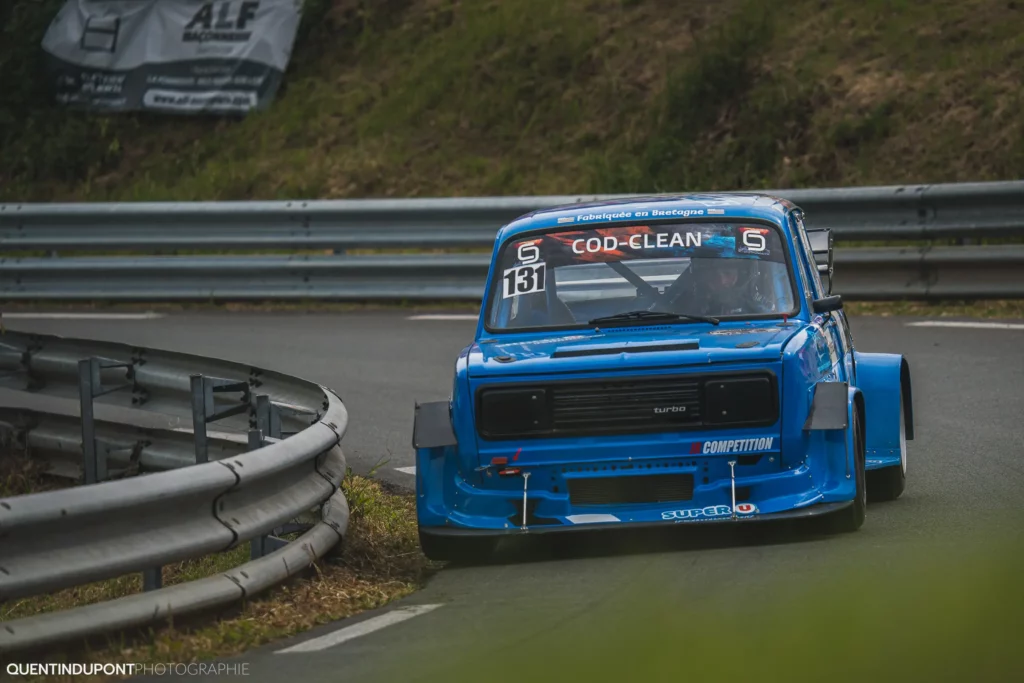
827, 304
821, 247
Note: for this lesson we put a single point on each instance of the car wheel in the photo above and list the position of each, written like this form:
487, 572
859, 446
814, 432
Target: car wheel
888, 483
852, 518
459, 549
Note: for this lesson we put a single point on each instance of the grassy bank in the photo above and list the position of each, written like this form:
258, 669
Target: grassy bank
441, 98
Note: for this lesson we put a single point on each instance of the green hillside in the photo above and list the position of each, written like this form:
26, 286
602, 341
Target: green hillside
442, 98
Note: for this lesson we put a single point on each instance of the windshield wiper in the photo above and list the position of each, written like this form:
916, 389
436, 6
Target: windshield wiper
651, 316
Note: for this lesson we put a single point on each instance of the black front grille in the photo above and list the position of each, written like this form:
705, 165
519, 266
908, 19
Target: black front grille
630, 405
627, 406
625, 490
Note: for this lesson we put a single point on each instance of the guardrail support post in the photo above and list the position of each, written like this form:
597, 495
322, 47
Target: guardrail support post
90, 387
86, 392
204, 407
152, 579
255, 439
199, 411
257, 546
264, 545
268, 417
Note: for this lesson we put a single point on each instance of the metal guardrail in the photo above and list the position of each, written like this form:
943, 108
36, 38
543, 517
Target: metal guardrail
863, 213
967, 212
864, 273
968, 272
221, 498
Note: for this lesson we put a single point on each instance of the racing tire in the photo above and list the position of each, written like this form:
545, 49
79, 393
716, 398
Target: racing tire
888, 483
458, 549
852, 518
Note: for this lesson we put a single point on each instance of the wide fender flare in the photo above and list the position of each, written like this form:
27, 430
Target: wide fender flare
885, 379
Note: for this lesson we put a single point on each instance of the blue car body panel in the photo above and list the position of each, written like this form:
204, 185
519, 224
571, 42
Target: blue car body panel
791, 467
885, 381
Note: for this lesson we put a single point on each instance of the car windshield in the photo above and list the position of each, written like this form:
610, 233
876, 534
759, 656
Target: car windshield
572, 277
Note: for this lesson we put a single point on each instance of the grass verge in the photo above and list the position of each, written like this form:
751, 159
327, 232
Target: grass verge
20, 475
381, 562
996, 308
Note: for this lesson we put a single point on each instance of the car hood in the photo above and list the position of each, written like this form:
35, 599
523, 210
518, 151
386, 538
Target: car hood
634, 347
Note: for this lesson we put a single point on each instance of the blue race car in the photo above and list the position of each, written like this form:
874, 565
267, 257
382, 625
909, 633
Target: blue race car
659, 361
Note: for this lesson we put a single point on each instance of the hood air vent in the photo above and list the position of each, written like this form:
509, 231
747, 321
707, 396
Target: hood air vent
612, 350
632, 330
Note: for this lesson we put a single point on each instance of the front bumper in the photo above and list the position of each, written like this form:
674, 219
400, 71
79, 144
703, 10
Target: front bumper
485, 503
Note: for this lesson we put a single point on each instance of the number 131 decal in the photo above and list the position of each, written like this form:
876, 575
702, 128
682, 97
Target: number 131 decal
523, 280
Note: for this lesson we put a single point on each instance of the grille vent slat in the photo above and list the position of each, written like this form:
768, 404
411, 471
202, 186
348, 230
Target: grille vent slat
610, 405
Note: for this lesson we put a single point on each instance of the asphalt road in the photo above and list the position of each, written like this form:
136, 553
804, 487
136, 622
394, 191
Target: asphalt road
966, 473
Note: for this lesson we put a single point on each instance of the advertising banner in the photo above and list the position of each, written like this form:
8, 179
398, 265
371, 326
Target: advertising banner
175, 56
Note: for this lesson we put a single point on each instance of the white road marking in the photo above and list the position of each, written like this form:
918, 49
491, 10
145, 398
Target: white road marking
361, 629
407, 470
81, 316
980, 326
443, 316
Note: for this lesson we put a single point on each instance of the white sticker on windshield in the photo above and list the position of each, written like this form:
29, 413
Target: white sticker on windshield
523, 280
661, 240
754, 241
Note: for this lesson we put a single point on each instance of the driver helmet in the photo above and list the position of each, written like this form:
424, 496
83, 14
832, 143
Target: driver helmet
727, 281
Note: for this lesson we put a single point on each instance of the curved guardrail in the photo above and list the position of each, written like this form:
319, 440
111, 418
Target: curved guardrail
965, 212
57, 539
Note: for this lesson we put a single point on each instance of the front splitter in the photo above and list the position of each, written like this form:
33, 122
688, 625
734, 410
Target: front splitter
801, 513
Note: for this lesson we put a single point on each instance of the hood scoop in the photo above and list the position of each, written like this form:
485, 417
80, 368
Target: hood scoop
624, 348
